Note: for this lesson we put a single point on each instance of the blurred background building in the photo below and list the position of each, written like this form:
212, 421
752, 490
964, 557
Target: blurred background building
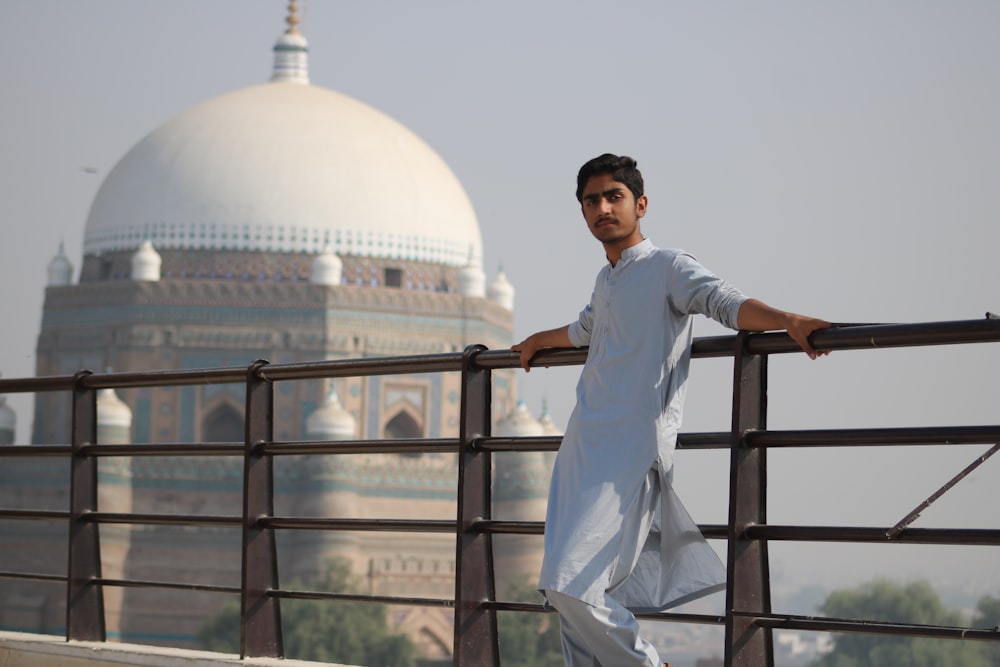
287, 222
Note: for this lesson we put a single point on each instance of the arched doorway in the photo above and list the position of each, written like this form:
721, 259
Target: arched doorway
223, 424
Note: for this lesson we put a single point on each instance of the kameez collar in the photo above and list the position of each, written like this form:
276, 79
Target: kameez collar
639, 249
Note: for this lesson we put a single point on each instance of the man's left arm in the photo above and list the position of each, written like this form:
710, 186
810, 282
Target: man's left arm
755, 315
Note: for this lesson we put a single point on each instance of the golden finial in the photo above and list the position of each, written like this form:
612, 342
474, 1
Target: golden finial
293, 18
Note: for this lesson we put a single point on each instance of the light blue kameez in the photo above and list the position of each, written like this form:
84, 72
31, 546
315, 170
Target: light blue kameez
614, 523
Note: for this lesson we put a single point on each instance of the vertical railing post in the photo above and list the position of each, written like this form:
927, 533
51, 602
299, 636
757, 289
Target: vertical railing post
476, 641
260, 613
84, 597
748, 582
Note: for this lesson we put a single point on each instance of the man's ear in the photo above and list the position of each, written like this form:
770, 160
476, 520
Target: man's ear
640, 205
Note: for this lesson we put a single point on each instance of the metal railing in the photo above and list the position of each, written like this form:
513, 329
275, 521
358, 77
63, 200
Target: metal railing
748, 618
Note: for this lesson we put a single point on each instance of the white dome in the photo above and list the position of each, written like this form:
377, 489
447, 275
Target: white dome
285, 167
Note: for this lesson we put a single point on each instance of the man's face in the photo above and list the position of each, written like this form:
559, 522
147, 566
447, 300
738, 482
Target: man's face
612, 212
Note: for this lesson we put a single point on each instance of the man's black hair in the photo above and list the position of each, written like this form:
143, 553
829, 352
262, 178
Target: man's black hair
621, 167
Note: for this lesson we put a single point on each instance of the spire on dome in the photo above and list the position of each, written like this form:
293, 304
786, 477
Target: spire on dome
293, 18
291, 51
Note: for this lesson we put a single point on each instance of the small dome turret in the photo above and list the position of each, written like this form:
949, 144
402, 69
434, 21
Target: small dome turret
501, 292
291, 51
146, 263
331, 421
8, 422
60, 269
114, 418
472, 279
545, 419
519, 423
327, 269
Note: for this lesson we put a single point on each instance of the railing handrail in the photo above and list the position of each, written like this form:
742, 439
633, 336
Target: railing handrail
839, 337
748, 618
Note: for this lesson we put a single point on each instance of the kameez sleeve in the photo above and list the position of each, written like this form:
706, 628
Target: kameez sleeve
695, 289
580, 330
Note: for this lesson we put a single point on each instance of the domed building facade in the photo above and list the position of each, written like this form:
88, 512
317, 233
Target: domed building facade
288, 222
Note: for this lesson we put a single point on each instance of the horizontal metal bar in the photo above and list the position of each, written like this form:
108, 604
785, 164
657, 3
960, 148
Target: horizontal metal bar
37, 384
945, 435
4, 574
713, 346
821, 624
534, 607
355, 597
841, 337
497, 527
375, 525
952, 536
550, 443
172, 378
705, 440
534, 443
140, 583
714, 531
166, 449
334, 368
34, 515
500, 527
556, 356
387, 446
704, 619
837, 338
29, 451
163, 519
881, 336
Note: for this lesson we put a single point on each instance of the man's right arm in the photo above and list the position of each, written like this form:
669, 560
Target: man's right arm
539, 341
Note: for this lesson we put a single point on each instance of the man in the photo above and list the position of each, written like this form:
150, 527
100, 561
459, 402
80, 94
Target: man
616, 536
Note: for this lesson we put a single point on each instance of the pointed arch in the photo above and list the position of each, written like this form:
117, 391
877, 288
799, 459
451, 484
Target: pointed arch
402, 425
224, 423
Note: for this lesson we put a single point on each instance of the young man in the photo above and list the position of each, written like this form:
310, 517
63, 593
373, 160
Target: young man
616, 535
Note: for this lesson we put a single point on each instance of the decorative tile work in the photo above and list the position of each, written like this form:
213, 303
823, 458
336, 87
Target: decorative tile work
280, 239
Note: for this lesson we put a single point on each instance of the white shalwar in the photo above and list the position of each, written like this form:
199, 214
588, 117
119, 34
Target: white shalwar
614, 526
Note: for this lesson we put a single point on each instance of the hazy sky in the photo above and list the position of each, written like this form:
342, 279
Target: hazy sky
836, 158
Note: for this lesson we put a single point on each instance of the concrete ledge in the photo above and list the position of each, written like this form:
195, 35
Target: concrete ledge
20, 649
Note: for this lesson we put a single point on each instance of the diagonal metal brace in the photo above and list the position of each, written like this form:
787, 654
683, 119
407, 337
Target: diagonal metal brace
894, 532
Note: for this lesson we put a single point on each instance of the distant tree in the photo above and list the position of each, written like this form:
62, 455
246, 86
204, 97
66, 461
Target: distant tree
528, 639
354, 633
884, 601
988, 616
